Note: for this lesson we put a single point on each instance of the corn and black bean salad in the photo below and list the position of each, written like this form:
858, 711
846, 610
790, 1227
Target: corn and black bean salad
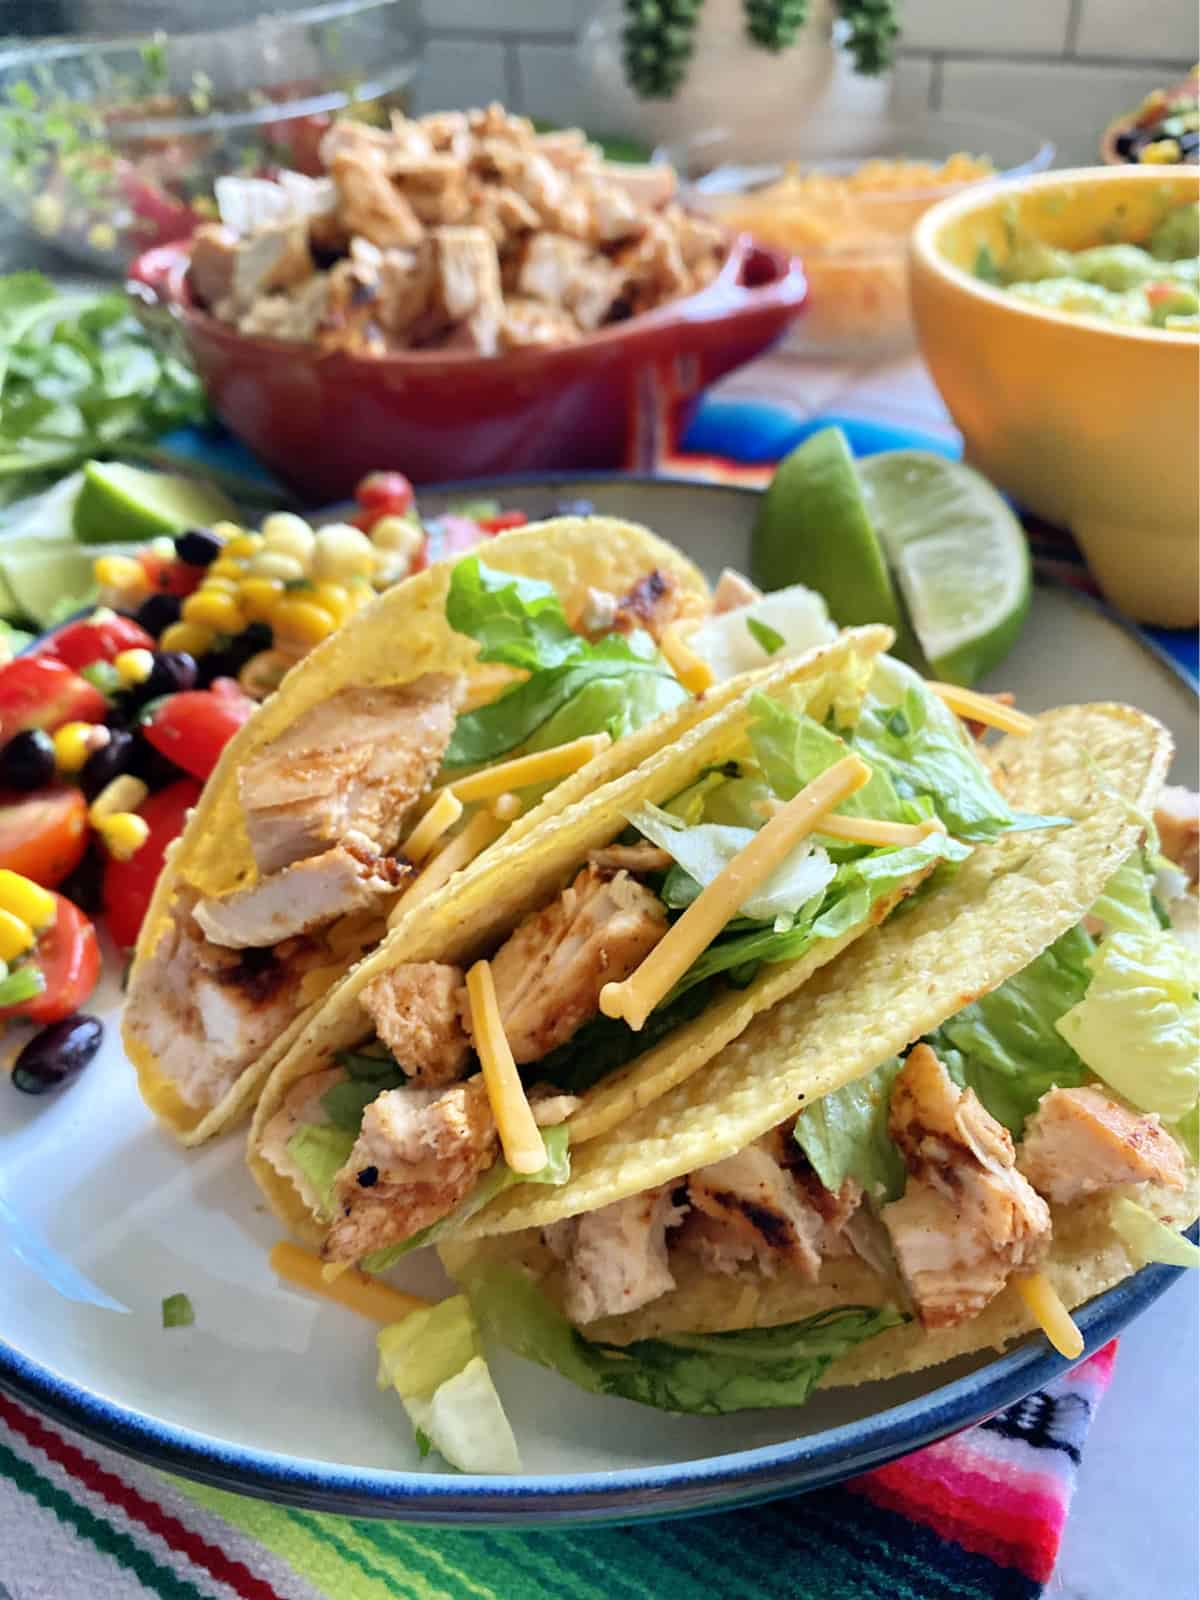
111, 723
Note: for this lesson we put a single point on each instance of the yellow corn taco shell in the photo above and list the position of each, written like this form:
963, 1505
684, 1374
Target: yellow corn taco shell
1005, 904
1101, 764
399, 637
520, 875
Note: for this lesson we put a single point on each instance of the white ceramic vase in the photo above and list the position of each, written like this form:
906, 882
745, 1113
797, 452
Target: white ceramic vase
808, 96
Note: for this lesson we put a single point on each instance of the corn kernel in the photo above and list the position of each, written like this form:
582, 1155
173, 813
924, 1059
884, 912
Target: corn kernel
263, 673
124, 834
23, 898
301, 620
212, 608
74, 743
290, 535
401, 535
274, 564
258, 597
16, 937
225, 567
340, 552
1161, 153
189, 636
220, 585
102, 236
163, 546
332, 597
119, 572
124, 793
226, 530
244, 545
134, 666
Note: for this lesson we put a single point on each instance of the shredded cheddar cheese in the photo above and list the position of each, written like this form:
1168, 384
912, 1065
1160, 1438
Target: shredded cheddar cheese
352, 1289
482, 830
543, 766
867, 830
699, 925
1043, 1303
487, 683
693, 672
442, 815
975, 707
520, 1138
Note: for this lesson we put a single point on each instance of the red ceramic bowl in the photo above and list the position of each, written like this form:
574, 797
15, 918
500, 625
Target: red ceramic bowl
321, 420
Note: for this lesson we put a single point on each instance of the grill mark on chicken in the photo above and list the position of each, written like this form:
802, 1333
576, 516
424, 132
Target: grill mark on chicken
1081, 1141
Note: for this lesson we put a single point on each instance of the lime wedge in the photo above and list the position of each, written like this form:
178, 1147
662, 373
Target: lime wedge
959, 555
814, 527
45, 579
118, 502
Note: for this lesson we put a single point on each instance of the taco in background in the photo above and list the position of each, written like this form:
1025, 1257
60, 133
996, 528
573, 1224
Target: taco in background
981, 1115
617, 947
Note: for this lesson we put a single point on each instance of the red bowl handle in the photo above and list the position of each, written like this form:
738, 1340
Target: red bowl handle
754, 277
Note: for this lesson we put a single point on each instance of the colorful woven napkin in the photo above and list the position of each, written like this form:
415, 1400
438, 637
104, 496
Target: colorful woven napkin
976, 1517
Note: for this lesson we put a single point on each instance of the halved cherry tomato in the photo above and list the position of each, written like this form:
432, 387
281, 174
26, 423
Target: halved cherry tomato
81, 643
43, 836
192, 728
165, 575
40, 692
388, 493
69, 956
503, 520
128, 885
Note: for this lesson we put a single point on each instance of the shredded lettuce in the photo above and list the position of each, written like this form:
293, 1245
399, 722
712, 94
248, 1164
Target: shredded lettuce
432, 1358
705, 850
1148, 1239
321, 1150
905, 732
792, 750
498, 1177
1005, 1045
576, 687
367, 1076
704, 1374
1138, 1024
845, 1135
603, 1044
1126, 903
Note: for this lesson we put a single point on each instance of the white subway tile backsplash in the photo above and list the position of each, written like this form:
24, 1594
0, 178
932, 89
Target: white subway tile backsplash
1070, 102
461, 73
1033, 26
912, 83
507, 16
1139, 29
552, 86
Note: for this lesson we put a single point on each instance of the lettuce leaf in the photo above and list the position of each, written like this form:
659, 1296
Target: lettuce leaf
845, 1135
1138, 1024
703, 1374
603, 1043
1126, 902
432, 1358
495, 1180
792, 750
1006, 1046
906, 733
320, 1150
575, 688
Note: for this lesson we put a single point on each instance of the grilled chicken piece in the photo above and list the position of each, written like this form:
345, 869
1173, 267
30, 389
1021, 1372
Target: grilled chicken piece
1079, 1141
632, 858
419, 1153
1177, 818
214, 255
301, 1107
348, 771
733, 592
651, 604
751, 1207
206, 1013
272, 259
549, 974
967, 1218
650, 187
301, 897
528, 324
616, 1258
417, 1012
296, 316
615, 215
468, 272
370, 204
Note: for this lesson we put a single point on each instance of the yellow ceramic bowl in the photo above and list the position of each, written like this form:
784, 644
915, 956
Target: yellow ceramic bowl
1092, 426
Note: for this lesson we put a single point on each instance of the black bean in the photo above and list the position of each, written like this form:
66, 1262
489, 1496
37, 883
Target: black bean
84, 886
106, 763
173, 671
198, 547
158, 612
150, 765
27, 760
57, 1054
229, 661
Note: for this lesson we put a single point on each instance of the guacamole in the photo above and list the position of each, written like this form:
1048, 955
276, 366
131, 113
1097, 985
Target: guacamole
1151, 285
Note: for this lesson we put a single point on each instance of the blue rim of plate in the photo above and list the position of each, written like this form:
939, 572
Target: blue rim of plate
685, 1488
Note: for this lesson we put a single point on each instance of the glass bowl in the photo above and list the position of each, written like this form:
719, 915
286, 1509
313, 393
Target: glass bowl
109, 147
853, 242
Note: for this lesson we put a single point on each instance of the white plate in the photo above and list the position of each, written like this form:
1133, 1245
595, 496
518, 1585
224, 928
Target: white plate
274, 1391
